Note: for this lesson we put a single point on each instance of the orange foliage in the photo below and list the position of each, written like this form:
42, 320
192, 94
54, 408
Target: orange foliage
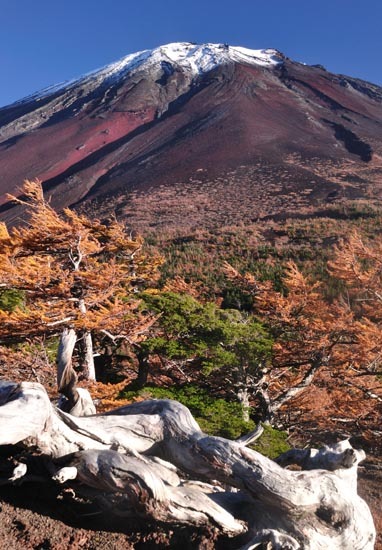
330, 341
306, 328
73, 271
358, 264
107, 395
180, 286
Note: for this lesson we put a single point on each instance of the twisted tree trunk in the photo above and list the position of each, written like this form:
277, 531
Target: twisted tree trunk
150, 459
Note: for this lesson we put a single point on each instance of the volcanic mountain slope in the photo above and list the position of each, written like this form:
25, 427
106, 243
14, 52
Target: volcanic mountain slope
185, 135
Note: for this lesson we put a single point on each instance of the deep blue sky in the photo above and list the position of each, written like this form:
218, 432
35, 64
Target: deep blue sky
44, 42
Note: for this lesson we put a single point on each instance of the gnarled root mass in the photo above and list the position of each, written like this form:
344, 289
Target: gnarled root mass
151, 460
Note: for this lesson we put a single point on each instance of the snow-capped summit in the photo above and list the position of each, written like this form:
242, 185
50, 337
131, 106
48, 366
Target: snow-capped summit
202, 58
195, 59
222, 130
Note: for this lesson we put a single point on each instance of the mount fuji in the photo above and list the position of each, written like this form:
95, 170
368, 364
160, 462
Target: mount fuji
186, 135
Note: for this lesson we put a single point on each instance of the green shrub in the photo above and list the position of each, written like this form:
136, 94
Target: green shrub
11, 299
272, 442
215, 416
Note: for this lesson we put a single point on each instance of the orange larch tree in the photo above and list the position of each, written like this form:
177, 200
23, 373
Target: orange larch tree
358, 264
71, 273
309, 333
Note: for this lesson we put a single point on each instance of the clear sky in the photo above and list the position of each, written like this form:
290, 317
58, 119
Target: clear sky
44, 42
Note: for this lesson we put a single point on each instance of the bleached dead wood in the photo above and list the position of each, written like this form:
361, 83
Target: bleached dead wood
76, 401
138, 458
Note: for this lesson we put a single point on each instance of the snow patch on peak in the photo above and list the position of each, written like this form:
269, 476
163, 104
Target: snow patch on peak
202, 58
191, 57
197, 59
266, 58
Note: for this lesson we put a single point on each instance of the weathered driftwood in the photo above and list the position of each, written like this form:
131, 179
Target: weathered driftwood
150, 459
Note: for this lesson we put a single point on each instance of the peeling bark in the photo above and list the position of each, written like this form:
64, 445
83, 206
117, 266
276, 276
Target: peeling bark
150, 459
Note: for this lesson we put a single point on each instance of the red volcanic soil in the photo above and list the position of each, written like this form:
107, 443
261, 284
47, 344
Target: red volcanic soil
288, 138
91, 137
76, 139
